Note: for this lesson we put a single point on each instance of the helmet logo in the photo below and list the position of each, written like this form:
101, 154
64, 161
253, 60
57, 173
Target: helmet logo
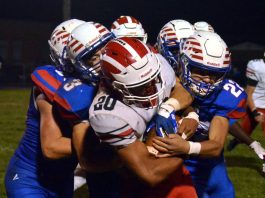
213, 64
146, 73
93, 40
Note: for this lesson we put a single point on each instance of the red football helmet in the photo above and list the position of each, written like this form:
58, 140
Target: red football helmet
134, 70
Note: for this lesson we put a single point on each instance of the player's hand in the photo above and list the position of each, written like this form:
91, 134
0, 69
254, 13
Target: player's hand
166, 121
258, 116
172, 145
187, 127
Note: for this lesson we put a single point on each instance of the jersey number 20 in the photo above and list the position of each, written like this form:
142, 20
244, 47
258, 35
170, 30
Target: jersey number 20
105, 102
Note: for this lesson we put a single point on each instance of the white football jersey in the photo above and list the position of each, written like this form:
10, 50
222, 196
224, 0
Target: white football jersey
118, 124
256, 71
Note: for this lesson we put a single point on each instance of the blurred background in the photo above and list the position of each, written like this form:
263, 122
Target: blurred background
25, 27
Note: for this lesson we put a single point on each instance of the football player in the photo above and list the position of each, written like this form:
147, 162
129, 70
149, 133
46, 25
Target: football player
168, 43
135, 81
205, 62
256, 103
43, 164
74, 97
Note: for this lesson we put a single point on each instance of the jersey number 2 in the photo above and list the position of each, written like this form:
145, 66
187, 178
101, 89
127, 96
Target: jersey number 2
234, 88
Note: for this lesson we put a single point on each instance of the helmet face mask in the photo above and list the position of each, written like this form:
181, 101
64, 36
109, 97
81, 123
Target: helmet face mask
193, 74
205, 62
145, 95
85, 48
133, 70
170, 50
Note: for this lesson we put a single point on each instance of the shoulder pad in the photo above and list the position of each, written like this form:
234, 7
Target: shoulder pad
47, 79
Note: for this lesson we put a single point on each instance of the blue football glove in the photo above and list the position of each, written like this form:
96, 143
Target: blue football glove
166, 120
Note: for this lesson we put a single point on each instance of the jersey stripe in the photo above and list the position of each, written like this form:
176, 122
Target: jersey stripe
46, 82
240, 111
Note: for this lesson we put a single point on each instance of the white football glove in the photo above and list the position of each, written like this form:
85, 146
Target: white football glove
259, 150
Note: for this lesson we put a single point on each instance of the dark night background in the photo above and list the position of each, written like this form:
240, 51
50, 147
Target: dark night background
237, 22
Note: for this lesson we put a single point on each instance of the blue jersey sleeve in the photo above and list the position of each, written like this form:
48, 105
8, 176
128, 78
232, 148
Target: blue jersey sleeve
229, 102
73, 100
232, 101
47, 79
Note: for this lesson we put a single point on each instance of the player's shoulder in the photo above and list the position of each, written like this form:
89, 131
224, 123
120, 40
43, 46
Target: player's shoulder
256, 64
231, 94
45, 70
74, 98
47, 79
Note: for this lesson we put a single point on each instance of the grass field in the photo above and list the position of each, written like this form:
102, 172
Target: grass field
243, 165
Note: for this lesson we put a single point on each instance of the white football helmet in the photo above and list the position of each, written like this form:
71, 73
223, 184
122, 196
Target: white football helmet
203, 26
85, 41
133, 70
169, 39
206, 53
128, 26
59, 39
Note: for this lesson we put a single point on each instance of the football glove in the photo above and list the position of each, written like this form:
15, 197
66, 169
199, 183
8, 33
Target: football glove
165, 120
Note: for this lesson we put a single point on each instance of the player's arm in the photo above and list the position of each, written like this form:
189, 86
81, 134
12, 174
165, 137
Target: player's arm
93, 156
53, 144
182, 97
258, 116
217, 135
174, 144
149, 169
80, 131
250, 90
236, 130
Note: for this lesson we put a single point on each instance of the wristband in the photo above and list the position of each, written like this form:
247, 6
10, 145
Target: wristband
256, 113
195, 148
174, 103
193, 115
165, 110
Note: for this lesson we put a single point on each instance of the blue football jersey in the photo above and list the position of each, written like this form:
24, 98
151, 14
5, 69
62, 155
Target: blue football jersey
73, 99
